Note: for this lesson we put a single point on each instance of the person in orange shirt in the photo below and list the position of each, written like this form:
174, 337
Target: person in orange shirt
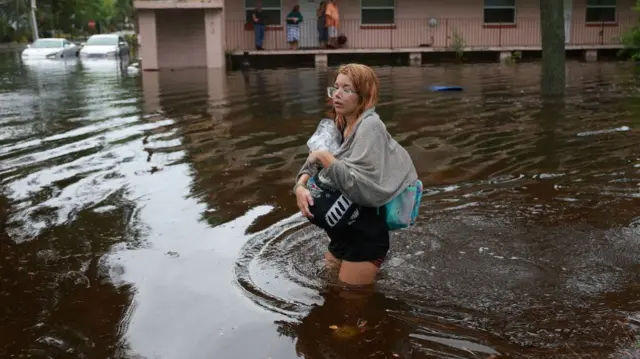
332, 22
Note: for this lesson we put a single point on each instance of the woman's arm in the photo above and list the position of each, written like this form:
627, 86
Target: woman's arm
325, 157
304, 178
295, 18
302, 181
364, 174
308, 170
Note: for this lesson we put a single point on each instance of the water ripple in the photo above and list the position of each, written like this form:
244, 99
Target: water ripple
130, 204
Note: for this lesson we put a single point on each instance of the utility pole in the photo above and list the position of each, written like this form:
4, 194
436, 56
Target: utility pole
34, 23
553, 47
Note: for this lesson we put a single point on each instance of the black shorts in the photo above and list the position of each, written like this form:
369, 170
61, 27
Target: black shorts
357, 233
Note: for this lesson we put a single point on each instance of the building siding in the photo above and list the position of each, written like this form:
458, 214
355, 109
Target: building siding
412, 29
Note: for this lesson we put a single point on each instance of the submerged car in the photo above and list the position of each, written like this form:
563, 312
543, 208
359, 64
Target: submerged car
105, 45
50, 49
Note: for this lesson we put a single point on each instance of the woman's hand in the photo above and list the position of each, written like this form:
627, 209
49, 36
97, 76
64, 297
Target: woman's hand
304, 200
325, 157
313, 156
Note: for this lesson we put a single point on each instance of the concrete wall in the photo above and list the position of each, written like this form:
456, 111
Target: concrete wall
412, 28
148, 39
181, 38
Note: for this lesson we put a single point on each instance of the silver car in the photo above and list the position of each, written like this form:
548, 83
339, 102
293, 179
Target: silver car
50, 49
105, 46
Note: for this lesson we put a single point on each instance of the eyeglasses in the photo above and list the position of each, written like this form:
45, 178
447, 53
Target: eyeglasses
331, 91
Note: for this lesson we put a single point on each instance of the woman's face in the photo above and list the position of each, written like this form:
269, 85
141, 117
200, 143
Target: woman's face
345, 99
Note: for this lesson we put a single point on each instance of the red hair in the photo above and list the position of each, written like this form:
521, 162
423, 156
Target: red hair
365, 83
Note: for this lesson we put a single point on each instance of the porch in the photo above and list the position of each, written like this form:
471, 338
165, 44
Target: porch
431, 34
416, 37
415, 28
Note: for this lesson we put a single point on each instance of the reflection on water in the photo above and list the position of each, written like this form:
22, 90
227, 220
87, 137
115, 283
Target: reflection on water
150, 215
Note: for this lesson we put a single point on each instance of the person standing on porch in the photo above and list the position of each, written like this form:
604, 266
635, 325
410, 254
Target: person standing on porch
258, 25
333, 22
293, 27
322, 26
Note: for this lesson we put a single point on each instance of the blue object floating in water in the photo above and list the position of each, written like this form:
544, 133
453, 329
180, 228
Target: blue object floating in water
446, 88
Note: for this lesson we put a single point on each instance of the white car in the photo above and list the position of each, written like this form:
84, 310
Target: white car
105, 45
50, 49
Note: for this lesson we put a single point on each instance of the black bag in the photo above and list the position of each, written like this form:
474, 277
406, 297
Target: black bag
331, 209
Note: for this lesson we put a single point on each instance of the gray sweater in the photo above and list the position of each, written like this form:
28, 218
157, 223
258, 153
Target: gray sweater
371, 168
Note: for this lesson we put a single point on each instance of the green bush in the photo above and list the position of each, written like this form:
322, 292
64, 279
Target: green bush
63, 36
132, 39
631, 39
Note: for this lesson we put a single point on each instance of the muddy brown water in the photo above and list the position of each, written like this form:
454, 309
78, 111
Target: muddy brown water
149, 216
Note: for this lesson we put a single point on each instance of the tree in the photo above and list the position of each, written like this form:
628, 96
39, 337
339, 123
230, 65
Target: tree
14, 20
123, 12
553, 47
71, 17
631, 39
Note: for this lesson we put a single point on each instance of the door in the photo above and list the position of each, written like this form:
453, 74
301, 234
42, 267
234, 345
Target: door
568, 12
308, 28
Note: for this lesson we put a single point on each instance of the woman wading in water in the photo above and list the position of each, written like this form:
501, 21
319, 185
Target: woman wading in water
344, 193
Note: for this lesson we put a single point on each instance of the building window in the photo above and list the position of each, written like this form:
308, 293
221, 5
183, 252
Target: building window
601, 11
500, 11
271, 10
377, 12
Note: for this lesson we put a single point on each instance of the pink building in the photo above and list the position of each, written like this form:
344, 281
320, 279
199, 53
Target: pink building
198, 33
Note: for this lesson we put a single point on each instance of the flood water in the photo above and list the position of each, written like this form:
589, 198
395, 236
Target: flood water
149, 215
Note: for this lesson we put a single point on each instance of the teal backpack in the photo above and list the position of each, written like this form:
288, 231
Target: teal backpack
402, 210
